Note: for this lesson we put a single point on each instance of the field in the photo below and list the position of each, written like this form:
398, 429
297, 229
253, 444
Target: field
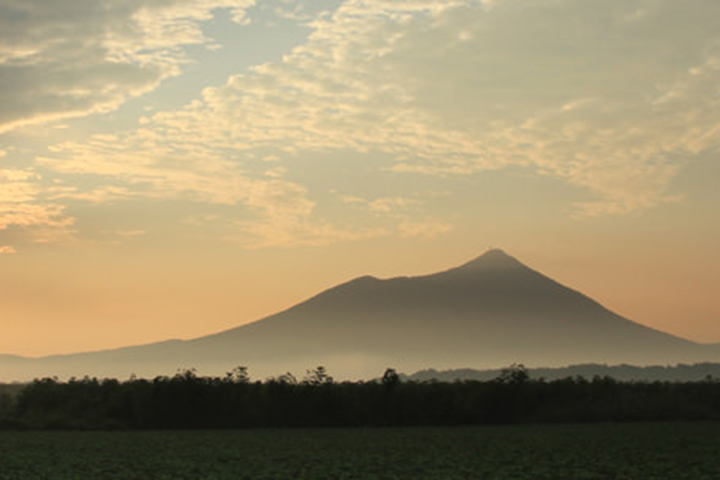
553, 452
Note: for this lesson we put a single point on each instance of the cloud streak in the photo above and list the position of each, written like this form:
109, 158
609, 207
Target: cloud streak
276, 212
614, 97
608, 96
22, 206
61, 60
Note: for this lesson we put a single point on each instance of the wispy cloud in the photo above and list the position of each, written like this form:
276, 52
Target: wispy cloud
278, 212
105, 194
7, 250
22, 205
381, 205
406, 215
614, 97
60, 60
425, 229
293, 231
569, 88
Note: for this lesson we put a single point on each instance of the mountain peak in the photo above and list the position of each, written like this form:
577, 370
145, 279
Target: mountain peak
494, 259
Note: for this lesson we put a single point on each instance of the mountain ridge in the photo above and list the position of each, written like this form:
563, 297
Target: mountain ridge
628, 373
489, 312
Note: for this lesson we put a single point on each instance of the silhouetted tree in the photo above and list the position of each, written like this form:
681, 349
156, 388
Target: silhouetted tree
317, 376
286, 379
390, 380
238, 375
187, 400
516, 373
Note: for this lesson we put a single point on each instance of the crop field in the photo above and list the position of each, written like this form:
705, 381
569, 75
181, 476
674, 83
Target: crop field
552, 452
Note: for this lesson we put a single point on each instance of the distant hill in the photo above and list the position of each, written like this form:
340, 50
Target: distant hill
487, 313
625, 373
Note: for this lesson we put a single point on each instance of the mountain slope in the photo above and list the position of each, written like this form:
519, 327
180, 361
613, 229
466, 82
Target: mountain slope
493, 309
490, 312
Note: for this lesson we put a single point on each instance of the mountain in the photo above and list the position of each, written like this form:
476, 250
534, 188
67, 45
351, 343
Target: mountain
487, 313
625, 373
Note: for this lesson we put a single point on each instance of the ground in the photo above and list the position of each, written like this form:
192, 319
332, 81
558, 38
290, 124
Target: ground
543, 452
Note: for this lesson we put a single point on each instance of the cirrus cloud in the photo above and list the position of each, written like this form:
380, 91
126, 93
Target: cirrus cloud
276, 212
70, 59
614, 97
609, 96
22, 206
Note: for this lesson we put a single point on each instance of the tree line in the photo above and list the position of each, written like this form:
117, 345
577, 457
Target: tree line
187, 401
626, 373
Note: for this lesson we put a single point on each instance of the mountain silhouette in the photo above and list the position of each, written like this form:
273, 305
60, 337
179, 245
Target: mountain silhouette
490, 312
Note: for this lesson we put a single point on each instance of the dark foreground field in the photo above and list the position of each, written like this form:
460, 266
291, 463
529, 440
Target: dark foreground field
554, 452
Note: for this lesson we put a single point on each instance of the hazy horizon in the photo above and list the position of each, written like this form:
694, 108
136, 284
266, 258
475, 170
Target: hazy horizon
490, 312
174, 168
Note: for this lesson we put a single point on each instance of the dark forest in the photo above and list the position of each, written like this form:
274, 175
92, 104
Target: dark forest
189, 401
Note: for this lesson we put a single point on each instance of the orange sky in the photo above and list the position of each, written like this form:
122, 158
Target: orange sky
171, 169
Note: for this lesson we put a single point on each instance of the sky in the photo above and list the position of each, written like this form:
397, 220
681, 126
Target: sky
174, 168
